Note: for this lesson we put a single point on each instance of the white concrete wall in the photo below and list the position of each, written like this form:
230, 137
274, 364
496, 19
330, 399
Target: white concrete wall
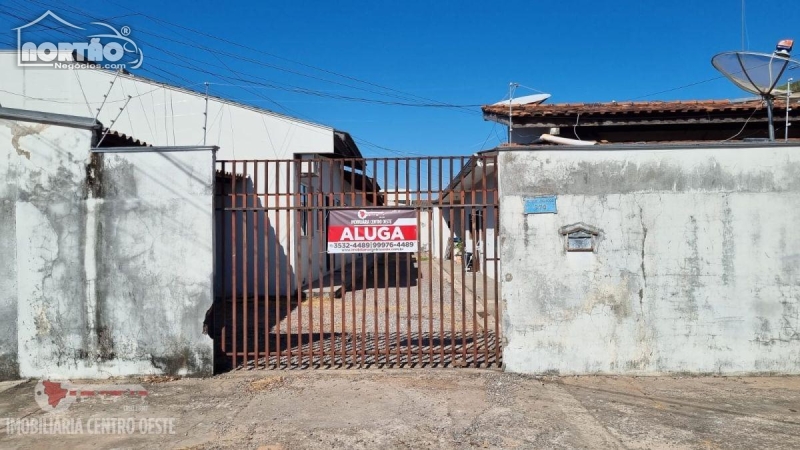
164, 115
156, 259
697, 269
113, 256
44, 217
160, 114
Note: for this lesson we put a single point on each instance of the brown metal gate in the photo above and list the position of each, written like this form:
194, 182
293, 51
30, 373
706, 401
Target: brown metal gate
281, 300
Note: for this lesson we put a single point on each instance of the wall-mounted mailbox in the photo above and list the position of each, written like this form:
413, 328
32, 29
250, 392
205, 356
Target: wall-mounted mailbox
580, 237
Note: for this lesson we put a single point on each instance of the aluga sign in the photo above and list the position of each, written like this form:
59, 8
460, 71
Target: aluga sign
372, 231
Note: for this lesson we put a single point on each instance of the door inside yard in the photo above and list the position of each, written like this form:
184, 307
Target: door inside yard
289, 292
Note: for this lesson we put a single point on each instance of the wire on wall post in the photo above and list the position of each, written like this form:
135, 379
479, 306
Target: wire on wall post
108, 130
105, 97
788, 107
511, 88
205, 118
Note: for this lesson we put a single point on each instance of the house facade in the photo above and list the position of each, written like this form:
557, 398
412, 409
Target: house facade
160, 114
664, 244
658, 259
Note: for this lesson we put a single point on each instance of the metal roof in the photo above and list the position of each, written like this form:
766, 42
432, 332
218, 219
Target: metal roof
25, 115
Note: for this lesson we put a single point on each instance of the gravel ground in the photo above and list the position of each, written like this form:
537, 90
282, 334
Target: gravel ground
434, 408
382, 304
402, 306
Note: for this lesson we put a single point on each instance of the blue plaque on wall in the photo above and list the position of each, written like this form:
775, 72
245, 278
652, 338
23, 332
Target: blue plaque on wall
541, 205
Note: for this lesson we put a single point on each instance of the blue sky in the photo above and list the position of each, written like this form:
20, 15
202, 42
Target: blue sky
458, 53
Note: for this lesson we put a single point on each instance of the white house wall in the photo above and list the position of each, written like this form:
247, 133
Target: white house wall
697, 268
165, 115
158, 114
107, 260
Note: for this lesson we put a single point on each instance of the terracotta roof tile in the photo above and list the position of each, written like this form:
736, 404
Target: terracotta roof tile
617, 108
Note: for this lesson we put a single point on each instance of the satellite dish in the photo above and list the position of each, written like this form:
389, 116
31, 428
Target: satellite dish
763, 74
526, 100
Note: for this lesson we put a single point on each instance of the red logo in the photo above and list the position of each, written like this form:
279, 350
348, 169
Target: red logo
362, 214
57, 396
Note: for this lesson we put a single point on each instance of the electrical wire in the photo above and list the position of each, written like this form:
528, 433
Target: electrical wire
261, 51
494, 125
270, 83
171, 76
89, 108
745, 124
238, 57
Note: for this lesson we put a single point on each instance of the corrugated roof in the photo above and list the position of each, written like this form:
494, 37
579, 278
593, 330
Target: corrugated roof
118, 139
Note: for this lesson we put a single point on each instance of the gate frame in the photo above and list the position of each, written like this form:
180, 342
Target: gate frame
265, 196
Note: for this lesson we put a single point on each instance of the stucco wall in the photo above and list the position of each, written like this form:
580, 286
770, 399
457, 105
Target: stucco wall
160, 114
697, 268
155, 259
42, 233
106, 259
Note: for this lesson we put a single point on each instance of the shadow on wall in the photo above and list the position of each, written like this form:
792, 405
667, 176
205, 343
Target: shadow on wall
254, 283
246, 311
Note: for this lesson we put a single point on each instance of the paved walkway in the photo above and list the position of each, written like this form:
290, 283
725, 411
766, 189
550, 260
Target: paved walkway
431, 408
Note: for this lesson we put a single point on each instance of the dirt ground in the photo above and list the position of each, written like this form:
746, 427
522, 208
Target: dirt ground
403, 311
427, 408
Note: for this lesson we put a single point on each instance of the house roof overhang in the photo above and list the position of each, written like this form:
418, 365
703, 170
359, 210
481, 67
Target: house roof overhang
370, 187
633, 113
26, 115
480, 168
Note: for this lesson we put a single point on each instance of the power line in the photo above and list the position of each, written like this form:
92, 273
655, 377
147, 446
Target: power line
391, 150
216, 52
678, 88
280, 57
171, 76
272, 84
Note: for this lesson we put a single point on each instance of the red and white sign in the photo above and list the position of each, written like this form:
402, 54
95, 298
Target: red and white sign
373, 231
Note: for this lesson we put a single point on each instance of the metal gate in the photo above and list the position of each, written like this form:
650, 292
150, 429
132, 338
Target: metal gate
283, 300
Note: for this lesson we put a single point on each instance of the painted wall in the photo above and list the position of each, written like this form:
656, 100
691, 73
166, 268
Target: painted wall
165, 115
697, 268
160, 114
107, 259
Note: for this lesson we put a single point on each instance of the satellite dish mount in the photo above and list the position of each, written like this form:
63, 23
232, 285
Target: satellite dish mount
763, 74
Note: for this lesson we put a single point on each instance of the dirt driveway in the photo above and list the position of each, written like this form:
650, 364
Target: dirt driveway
403, 311
444, 408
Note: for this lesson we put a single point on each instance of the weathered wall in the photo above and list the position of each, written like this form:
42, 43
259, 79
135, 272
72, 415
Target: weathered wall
160, 114
42, 234
165, 115
697, 268
155, 259
106, 262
